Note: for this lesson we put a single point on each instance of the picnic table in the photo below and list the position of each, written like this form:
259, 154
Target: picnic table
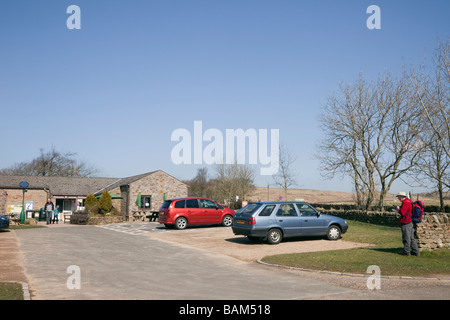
143, 215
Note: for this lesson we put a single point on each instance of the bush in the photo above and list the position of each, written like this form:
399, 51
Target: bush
105, 203
91, 202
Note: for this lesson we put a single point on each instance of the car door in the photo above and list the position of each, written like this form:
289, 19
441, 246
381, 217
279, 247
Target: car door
312, 224
288, 219
210, 214
193, 212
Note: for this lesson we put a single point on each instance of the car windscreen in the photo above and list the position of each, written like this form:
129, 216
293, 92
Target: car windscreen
249, 209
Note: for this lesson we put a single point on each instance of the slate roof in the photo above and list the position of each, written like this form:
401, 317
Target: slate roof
69, 186
58, 186
123, 181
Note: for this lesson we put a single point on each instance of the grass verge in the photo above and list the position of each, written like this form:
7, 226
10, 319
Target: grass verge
11, 291
385, 253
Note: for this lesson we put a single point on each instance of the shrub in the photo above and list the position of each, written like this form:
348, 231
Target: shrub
105, 203
91, 201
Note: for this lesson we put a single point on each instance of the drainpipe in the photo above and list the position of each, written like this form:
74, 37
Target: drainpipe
128, 200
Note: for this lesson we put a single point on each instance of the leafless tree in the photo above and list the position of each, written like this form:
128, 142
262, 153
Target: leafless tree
286, 177
369, 129
201, 185
433, 94
51, 163
234, 180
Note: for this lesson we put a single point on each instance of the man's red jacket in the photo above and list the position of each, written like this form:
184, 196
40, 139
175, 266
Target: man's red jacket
406, 211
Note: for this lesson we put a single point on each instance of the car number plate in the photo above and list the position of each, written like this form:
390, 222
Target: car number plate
240, 221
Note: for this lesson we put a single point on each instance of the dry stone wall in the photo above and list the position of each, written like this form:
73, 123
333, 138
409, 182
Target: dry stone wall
433, 232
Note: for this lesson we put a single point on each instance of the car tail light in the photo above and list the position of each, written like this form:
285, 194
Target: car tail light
251, 221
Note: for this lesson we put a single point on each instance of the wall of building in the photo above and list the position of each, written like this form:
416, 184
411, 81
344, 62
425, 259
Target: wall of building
155, 185
14, 197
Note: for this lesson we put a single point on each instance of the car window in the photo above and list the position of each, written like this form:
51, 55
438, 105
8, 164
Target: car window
306, 210
250, 208
207, 204
287, 210
191, 203
180, 204
267, 211
166, 204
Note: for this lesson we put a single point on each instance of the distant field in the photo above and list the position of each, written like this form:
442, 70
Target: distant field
318, 196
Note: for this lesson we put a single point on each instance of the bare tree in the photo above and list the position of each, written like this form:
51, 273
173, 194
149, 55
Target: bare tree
201, 185
234, 180
286, 177
433, 94
432, 165
345, 120
368, 133
51, 163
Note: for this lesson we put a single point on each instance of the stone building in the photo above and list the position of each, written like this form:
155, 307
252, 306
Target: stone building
70, 192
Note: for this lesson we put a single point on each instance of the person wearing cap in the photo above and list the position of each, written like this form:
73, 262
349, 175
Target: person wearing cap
405, 211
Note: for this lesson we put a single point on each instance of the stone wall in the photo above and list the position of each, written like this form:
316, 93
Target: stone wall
3, 203
433, 232
102, 220
155, 185
391, 219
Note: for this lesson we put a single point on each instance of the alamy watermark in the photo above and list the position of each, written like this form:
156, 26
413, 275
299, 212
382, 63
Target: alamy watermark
74, 280
227, 148
374, 280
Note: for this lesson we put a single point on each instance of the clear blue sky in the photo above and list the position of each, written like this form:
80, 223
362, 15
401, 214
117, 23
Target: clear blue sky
114, 91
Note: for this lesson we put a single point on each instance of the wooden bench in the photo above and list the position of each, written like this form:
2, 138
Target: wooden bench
16, 221
79, 218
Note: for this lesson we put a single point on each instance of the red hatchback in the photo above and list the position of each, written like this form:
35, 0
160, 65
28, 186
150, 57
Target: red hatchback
180, 213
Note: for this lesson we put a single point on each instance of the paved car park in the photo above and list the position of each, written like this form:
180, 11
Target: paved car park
119, 265
148, 261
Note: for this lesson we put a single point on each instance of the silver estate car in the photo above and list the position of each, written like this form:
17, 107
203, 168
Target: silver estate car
273, 221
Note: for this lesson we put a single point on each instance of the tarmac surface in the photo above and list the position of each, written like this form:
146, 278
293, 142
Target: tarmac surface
147, 261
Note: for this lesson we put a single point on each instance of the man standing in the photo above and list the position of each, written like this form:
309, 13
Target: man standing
48, 207
405, 211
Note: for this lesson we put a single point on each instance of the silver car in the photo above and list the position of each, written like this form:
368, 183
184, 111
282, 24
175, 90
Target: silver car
273, 221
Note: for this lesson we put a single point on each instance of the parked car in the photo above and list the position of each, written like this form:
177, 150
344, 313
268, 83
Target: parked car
4, 222
180, 213
274, 221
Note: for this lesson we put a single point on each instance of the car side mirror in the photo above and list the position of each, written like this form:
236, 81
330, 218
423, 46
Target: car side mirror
318, 213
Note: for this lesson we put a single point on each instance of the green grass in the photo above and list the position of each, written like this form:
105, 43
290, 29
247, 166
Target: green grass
11, 291
385, 253
25, 226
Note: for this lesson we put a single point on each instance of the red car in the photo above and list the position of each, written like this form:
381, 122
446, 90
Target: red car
180, 213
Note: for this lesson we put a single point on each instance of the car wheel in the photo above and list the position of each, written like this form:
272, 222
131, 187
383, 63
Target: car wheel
274, 236
181, 223
227, 221
334, 233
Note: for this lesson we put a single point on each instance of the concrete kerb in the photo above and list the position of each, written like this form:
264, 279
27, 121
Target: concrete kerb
25, 289
348, 274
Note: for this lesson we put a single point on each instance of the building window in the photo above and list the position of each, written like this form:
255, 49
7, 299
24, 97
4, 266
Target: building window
146, 202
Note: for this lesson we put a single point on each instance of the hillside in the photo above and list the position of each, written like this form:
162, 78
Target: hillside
318, 196
312, 196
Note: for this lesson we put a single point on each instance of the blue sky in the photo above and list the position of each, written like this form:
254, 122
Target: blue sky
114, 91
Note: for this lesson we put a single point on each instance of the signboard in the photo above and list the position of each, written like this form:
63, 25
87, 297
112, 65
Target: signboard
29, 206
